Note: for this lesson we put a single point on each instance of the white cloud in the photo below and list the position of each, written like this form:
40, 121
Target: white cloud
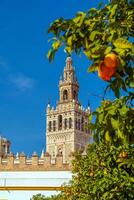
22, 82
19, 81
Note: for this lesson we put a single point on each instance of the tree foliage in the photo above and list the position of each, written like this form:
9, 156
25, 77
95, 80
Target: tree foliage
114, 124
42, 197
107, 171
104, 173
98, 32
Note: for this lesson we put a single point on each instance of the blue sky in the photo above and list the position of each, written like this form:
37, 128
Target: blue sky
27, 79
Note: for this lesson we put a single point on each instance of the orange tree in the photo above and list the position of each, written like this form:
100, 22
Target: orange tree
43, 197
105, 35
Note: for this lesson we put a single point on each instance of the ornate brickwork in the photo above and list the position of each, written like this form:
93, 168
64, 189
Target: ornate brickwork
67, 129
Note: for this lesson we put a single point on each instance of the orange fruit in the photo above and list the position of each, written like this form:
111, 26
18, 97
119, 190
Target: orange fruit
123, 154
105, 72
91, 174
111, 60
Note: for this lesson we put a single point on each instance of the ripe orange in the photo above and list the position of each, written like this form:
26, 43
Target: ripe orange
105, 72
111, 60
123, 154
91, 174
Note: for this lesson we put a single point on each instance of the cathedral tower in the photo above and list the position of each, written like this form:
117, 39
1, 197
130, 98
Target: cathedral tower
67, 125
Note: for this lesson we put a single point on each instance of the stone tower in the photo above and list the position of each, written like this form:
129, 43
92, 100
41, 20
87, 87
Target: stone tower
4, 147
67, 125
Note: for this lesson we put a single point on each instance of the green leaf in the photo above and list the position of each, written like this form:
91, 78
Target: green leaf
96, 56
120, 134
93, 34
56, 44
111, 111
115, 123
68, 50
124, 110
120, 52
79, 18
113, 10
86, 43
76, 19
132, 84
93, 68
107, 136
69, 41
123, 44
50, 55
88, 54
108, 50
90, 118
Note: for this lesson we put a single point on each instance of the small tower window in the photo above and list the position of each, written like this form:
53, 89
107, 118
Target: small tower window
76, 124
65, 123
59, 122
74, 95
4, 148
54, 125
50, 126
86, 127
65, 95
59, 151
82, 124
79, 124
70, 122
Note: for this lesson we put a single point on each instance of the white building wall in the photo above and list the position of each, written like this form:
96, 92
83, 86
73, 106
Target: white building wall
49, 178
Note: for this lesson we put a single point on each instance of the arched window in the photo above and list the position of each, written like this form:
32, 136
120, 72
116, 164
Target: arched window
76, 124
65, 123
3, 148
86, 127
50, 126
79, 124
54, 125
59, 122
70, 122
74, 95
65, 95
59, 151
82, 124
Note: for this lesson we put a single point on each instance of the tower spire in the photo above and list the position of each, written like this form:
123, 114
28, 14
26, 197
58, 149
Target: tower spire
68, 62
68, 86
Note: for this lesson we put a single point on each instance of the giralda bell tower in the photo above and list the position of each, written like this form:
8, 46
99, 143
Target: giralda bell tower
67, 125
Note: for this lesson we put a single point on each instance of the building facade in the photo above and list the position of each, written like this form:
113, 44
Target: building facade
67, 126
